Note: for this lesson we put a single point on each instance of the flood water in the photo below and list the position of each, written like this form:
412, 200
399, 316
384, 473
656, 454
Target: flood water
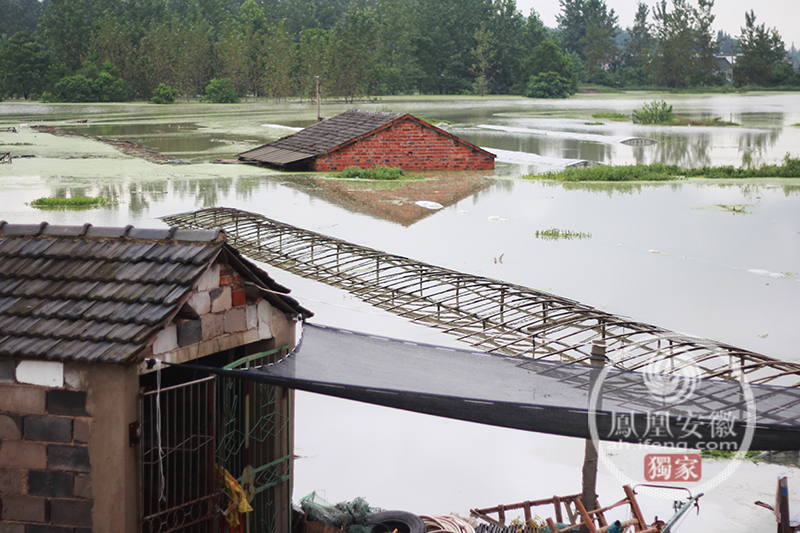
675, 255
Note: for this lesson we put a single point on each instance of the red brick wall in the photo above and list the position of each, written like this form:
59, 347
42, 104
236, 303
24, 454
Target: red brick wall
406, 145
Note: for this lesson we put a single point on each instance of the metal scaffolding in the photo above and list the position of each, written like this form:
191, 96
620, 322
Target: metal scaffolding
489, 315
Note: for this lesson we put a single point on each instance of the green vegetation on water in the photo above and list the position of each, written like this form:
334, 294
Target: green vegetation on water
725, 454
653, 113
790, 168
380, 172
617, 117
555, 234
73, 202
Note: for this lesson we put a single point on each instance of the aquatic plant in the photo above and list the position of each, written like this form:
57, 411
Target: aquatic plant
655, 112
652, 172
380, 172
75, 202
611, 115
554, 234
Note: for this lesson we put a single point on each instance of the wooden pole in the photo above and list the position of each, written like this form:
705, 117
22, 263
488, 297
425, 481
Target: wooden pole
319, 118
782, 504
589, 494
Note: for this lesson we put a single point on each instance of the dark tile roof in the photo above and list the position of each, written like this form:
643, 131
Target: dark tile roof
95, 294
320, 138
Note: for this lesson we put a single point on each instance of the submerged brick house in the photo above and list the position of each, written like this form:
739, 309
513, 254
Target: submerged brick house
366, 139
90, 437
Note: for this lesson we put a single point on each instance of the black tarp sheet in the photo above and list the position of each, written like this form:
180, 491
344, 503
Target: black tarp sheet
536, 395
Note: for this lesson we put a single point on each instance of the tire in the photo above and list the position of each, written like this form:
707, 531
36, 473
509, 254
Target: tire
403, 522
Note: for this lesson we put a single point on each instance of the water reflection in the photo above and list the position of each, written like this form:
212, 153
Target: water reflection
206, 192
395, 201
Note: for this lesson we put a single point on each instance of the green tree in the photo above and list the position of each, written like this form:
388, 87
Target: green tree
572, 23
508, 27
231, 55
68, 26
673, 62
312, 61
396, 68
640, 44
164, 94
23, 65
192, 56
113, 42
19, 16
705, 45
280, 59
548, 57
549, 85
352, 54
483, 53
221, 91
763, 59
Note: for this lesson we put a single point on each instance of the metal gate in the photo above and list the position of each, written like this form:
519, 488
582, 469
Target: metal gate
256, 443
177, 457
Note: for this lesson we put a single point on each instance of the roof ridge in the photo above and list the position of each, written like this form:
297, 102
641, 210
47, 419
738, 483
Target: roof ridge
90, 232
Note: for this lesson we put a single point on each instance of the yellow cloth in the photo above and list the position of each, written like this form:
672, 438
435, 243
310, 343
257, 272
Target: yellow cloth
236, 493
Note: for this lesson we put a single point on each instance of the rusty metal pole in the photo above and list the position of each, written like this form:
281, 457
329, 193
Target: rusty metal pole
589, 494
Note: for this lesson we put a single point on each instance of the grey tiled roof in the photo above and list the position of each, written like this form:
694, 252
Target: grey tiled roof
94, 294
320, 138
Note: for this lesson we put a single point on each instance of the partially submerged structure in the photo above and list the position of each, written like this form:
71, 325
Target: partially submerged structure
366, 139
91, 437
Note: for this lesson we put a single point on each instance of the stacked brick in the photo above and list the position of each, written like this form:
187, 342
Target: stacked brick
45, 472
408, 145
219, 305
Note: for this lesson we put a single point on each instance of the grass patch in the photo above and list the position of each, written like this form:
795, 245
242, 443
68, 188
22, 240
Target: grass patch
725, 454
380, 172
16, 144
593, 88
653, 172
617, 117
555, 234
73, 202
790, 168
594, 123
685, 121
435, 122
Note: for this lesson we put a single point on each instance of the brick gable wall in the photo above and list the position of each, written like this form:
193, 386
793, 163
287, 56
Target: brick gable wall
407, 145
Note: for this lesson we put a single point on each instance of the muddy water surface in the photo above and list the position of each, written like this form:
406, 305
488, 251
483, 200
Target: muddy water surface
674, 254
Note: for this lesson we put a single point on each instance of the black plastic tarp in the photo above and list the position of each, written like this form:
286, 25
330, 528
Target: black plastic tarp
536, 395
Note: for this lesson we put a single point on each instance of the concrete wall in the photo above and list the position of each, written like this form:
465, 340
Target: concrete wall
410, 146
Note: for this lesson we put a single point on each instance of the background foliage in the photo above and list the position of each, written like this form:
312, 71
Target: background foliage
279, 49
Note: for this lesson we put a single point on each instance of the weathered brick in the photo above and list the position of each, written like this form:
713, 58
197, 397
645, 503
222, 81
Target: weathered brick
82, 430
22, 400
8, 527
213, 326
238, 297
83, 486
220, 299
50, 484
68, 458
23, 508
200, 302
189, 332
8, 373
76, 513
66, 402
44, 528
9, 428
11, 480
235, 320
166, 340
23, 454
47, 428
72, 376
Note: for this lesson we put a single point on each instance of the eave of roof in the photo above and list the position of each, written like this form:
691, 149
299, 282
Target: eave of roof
97, 294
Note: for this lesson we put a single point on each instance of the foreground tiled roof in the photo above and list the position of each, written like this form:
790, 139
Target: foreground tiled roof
93, 294
320, 138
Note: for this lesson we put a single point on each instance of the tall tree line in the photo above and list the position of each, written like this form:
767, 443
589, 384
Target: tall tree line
281, 48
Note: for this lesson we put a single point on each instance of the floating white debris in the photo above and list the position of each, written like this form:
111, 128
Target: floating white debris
512, 156
495, 218
429, 205
463, 212
281, 127
767, 273
589, 137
